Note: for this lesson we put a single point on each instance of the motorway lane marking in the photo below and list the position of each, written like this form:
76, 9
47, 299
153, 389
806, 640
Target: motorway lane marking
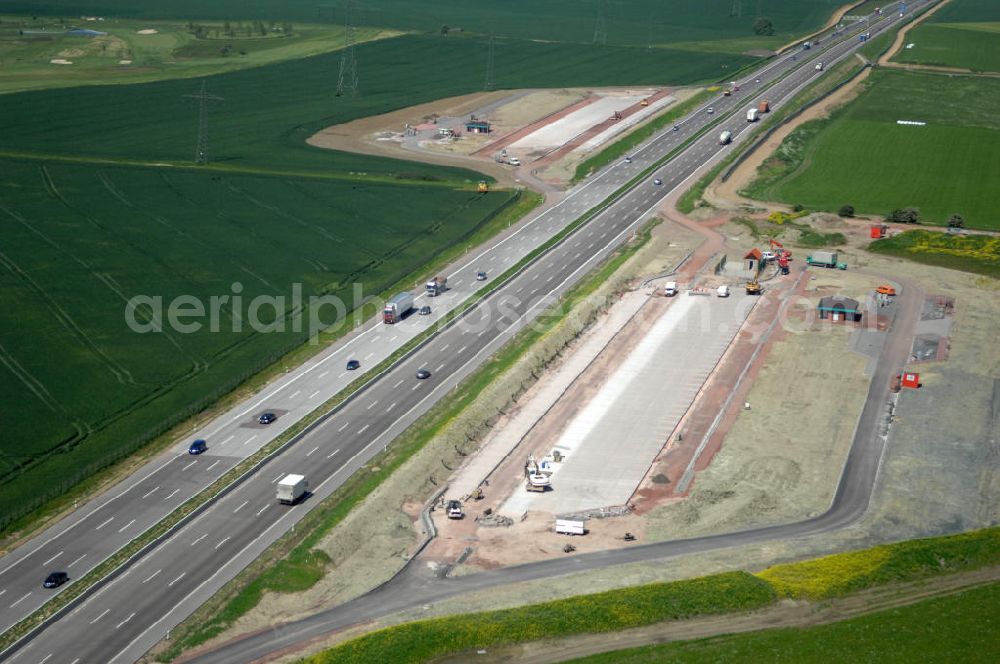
342, 427
261, 510
331, 454
462, 349
216, 463
250, 439
130, 616
363, 429
275, 480
391, 407
369, 356
189, 465
20, 600
399, 382
241, 506
76, 561
126, 525
312, 450
414, 387
75, 661
3, 591
445, 347
393, 338
45, 659
481, 333
151, 492
152, 576
52, 558
323, 374
172, 493
314, 394
176, 580
203, 536
105, 523
439, 368
341, 374
295, 394
227, 439
371, 405
376, 338
221, 542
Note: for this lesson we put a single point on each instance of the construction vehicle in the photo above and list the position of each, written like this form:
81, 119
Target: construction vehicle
885, 289
436, 286
725, 137
764, 106
779, 249
483, 187
396, 308
644, 102
727, 92
291, 488
670, 288
878, 231
616, 116
783, 263
536, 479
754, 287
752, 115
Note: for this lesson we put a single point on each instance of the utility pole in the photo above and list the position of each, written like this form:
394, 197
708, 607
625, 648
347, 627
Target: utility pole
348, 76
203, 98
737, 9
600, 25
489, 66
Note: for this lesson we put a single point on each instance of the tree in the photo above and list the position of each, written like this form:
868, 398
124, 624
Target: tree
846, 211
956, 221
445, 29
763, 27
908, 215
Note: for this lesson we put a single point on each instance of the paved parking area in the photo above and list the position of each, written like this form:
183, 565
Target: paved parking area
609, 445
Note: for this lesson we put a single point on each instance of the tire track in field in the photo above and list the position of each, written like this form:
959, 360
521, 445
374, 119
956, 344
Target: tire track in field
109, 281
163, 221
282, 213
121, 374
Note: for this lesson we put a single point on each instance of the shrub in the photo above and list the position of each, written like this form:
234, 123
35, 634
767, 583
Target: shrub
908, 215
846, 211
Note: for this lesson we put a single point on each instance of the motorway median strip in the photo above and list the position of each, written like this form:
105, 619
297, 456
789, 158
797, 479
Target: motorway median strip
113, 565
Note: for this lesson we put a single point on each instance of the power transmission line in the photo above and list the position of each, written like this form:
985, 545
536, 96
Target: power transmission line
203, 98
737, 9
348, 75
489, 66
600, 25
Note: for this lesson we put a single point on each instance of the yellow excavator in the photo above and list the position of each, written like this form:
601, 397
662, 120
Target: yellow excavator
483, 187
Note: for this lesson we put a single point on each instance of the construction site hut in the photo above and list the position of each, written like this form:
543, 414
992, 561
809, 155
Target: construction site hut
477, 126
839, 308
752, 260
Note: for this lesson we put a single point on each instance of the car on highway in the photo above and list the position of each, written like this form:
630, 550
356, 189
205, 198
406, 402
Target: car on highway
711, 110
197, 447
514, 161
657, 181
423, 373
424, 310
267, 418
628, 160
55, 580
480, 276
353, 364
676, 127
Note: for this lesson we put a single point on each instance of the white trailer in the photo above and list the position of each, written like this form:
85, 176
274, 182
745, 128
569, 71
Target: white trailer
753, 114
570, 527
397, 307
291, 488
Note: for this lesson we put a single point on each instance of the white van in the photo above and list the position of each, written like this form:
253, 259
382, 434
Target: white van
722, 291
514, 161
670, 289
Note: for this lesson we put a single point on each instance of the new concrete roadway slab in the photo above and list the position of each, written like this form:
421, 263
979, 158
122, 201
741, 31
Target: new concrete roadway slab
611, 443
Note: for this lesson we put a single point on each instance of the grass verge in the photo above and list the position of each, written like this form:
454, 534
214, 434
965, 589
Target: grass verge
601, 612
821, 578
620, 148
953, 628
979, 254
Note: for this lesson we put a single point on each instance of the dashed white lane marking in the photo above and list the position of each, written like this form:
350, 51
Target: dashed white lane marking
241, 506
150, 492
177, 579
342, 427
126, 525
103, 613
110, 519
309, 453
152, 576
203, 536
331, 454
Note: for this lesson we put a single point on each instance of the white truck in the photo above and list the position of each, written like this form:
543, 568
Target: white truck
753, 114
819, 66
291, 488
722, 291
725, 137
670, 288
436, 286
396, 308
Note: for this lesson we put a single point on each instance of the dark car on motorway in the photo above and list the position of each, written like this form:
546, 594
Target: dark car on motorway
55, 580
267, 418
197, 447
353, 364
423, 373
424, 310
480, 276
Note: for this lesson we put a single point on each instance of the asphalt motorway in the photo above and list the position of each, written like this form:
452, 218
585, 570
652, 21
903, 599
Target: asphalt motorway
125, 617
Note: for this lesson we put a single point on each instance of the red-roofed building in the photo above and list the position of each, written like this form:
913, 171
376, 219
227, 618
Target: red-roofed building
752, 260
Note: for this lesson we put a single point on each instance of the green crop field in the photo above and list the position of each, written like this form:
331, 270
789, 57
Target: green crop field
657, 22
963, 33
956, 628
862, 157
81, 240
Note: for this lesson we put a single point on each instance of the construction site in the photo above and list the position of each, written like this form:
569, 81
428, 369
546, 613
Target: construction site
715, 385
